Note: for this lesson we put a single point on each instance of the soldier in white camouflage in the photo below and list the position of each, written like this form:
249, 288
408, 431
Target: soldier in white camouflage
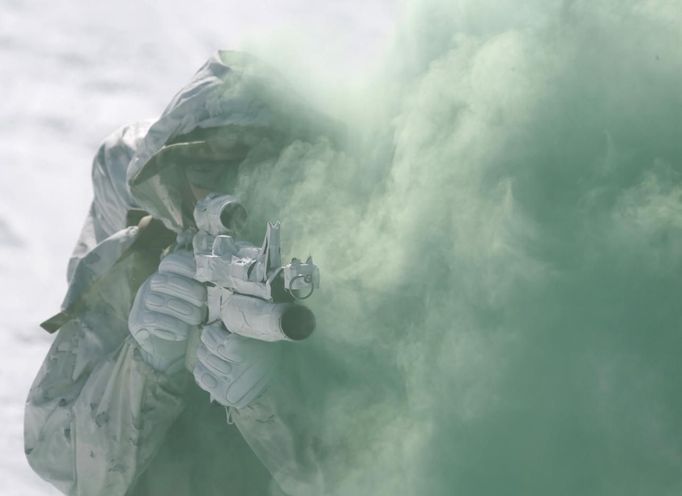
114, 409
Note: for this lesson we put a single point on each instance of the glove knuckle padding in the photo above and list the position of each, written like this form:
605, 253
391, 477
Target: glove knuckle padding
153, 314
239, 349
232, 368
161, 338
174, 296
213, 336
181, 287
166, 326
221, 389
204, 378
213, 362
231, 347
176, 308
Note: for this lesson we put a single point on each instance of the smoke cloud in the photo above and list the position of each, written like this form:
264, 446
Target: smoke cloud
500, 242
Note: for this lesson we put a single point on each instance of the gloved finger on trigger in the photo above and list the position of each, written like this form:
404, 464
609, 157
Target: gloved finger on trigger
229, 346
213, 362
175, 307
214, 337
179, 262
179, 286
237, 393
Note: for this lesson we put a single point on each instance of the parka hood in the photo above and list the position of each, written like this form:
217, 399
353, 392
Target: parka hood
233, 94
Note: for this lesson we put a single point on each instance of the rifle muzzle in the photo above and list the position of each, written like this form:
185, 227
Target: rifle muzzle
255, 318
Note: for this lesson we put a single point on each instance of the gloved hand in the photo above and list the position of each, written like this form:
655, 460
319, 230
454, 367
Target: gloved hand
166, 308
233, 369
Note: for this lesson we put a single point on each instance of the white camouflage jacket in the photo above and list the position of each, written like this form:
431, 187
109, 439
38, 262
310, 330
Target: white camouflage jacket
99, 420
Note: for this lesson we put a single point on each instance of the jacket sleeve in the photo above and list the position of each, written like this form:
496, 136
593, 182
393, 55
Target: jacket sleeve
96, 412
112, 200
282, 440
94, 419
305, 427
285, 425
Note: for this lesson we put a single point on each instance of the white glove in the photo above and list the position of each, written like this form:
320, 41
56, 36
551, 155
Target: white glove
166, 308
233, 369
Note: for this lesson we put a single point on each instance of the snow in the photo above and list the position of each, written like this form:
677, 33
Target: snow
72, 73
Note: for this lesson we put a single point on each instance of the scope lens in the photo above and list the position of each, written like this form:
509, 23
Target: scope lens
233, 216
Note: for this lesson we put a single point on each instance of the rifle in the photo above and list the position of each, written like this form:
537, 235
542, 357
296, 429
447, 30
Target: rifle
248, 288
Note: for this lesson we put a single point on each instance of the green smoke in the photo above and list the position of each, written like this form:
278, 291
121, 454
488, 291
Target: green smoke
501, 246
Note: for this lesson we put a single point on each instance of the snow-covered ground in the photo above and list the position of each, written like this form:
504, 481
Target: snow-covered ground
70, 73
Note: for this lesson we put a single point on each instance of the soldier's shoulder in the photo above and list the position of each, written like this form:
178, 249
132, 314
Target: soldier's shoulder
118, 148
